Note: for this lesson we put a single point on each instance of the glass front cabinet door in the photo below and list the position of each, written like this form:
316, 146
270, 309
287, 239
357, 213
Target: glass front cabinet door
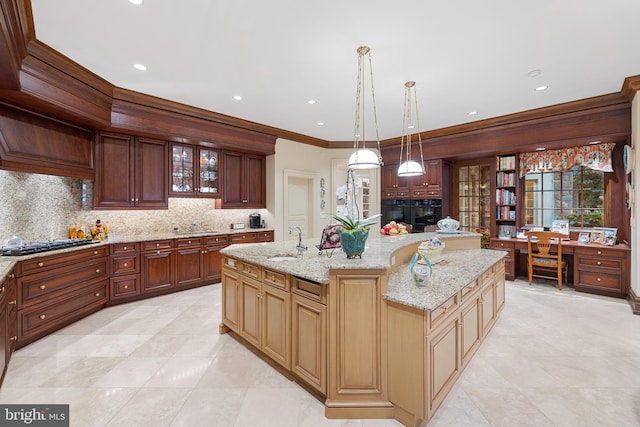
194, 171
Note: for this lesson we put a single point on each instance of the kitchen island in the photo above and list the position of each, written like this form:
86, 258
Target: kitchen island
359, 333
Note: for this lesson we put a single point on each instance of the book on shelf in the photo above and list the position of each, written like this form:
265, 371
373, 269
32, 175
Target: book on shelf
506, 179
505, 197
507, 162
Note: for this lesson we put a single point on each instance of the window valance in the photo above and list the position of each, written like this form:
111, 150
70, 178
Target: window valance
595, 156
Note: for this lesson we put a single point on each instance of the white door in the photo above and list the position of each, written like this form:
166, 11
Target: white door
298, 204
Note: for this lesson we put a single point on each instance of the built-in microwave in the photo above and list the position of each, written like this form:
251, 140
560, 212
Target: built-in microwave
424, 213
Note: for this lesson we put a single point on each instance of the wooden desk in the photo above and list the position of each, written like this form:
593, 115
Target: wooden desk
597, 269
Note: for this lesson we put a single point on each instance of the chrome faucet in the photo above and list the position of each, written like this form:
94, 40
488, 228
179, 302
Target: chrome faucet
300, 247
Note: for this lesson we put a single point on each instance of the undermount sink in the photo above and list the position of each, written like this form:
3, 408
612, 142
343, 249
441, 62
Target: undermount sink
279, 258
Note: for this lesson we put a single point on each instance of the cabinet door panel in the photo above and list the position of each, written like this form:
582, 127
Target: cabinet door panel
156, 270
471, 330
114, 171
152, 169
443, 362
276, 324
255, 181
230, 298
212, 264
309, 342
250, 310
188, 266
232, 180
488, 313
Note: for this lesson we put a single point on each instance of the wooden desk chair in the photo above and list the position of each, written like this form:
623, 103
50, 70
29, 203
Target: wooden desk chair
541, 262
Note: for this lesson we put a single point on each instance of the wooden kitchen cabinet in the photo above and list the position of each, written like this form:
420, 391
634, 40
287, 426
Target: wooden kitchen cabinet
230, 295
125, 271
157, 265
243, 180
511, 260
393, 186
131, 172
243, 238
602, 270
189, 265
194, 171
309, 334
212, 258
55, 290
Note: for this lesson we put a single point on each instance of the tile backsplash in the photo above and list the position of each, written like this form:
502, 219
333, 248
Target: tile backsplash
42, 207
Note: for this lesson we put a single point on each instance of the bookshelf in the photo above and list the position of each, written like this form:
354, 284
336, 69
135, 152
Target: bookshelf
506, 215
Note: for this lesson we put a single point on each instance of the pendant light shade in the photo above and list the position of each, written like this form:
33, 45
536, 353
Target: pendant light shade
409, 167
363, 158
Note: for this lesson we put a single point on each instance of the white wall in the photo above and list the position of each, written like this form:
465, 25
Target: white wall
294, 156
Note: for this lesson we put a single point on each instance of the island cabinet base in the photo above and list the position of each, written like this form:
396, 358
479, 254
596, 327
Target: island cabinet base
427, 350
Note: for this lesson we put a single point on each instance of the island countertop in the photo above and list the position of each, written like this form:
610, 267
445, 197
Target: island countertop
379, 254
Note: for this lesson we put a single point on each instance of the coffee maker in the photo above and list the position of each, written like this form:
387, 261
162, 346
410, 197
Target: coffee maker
255, 220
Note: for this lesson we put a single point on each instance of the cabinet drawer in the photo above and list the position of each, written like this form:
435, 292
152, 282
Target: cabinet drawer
275, 278
506, 245
250, 270
157, 245
231, 263
189, 242
469, 291
418, 193
600, 252
439, 314
216, 240
244, 238
599, 279
43, 318
125, 265
41, 287
52, 261
124, 286
433, 194
601, 262
265, 236
124, 248
311, 290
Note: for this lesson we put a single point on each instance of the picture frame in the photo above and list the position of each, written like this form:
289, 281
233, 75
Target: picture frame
609, 241
330, 239
608, 231
560, 226
597, 237
584, 237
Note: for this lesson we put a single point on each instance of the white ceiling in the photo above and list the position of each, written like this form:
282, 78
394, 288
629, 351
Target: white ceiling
465, 55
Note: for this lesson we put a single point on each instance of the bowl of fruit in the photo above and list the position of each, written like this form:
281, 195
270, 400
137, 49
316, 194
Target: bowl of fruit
394, 228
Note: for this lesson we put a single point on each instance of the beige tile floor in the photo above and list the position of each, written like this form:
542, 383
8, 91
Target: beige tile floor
554, 358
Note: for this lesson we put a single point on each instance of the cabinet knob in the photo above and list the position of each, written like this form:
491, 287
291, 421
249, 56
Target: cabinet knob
157, 245
599, 252
42, 316
599, 263
95, 252
97, 294
132, 200
43, 287
598, 279
12, 276
189, 241
126, 265
124, 248
502, 244
158, 252
136, 200
126, 286
97, 270
41, 264
14, 338
14, 302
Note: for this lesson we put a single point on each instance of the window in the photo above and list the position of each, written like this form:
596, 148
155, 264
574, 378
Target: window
576, 195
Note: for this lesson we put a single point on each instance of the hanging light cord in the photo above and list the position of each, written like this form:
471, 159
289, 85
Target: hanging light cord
375, 112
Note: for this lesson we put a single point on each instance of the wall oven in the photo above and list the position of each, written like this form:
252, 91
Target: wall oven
396, 210
424, 213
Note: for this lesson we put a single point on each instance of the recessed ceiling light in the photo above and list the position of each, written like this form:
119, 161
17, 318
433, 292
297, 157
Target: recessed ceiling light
473, 113
311, 101
136, 2
140, 67
534, 73
540, 149
320, 123
541, 88
237, 97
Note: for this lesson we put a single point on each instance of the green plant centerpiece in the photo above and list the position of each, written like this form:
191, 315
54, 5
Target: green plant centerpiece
354, 234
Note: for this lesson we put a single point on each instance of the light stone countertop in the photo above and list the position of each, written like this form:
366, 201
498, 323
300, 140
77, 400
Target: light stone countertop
311, 266
454, 272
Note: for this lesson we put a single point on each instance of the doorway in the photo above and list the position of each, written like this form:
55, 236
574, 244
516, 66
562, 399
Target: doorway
299, 204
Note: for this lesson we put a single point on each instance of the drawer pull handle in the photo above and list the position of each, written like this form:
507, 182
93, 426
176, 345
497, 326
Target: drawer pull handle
598, 279
97, 294
14, 338
126, 286
97, 270
43, 287
599, 263
41, 264
124, 248
126, 265
157, 245
599, 252
158, 252
14, 302
95, 252
189, 241
42, 316
502, 244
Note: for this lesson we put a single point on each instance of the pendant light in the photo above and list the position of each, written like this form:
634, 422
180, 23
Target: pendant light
362, 157
409, 167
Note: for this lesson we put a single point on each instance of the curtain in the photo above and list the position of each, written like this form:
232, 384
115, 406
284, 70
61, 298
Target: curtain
596, 156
